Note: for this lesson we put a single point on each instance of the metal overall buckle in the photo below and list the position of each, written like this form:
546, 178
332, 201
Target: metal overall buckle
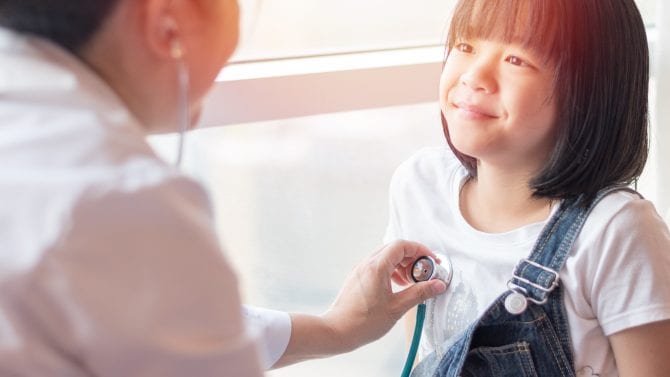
517, 301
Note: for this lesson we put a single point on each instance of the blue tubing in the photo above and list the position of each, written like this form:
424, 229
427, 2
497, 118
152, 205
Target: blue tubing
418, 327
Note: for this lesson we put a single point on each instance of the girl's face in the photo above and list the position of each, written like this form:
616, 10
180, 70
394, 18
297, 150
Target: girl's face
498, 101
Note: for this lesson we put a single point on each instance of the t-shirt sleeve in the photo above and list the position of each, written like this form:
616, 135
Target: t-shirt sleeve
139, 287
631, 280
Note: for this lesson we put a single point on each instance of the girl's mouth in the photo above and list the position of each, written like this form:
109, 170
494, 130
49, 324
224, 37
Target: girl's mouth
473, 111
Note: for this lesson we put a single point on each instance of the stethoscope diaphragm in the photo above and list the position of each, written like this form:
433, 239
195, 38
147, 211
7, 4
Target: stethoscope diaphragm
426, 268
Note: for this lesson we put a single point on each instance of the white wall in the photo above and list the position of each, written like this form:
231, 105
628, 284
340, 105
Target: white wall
661, 103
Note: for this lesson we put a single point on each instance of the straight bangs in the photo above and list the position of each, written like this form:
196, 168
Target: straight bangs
533, 25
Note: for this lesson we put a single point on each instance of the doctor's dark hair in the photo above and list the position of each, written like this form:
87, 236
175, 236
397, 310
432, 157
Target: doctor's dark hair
601, 58
68, 23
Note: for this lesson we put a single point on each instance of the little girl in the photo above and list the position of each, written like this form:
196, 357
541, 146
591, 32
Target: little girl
557, 270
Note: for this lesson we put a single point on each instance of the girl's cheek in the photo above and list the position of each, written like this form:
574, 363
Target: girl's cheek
444, 87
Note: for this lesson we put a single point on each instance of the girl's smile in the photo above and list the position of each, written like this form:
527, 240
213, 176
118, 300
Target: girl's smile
473, 111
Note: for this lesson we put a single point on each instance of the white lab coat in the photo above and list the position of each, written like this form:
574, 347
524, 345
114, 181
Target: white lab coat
109, 261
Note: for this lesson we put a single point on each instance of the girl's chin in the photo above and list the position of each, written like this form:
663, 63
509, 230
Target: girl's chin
467, 146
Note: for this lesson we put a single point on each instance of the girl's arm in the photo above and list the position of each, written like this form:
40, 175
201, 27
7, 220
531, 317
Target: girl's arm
643, 350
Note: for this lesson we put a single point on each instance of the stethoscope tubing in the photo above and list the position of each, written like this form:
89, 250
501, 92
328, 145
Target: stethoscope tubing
424, 269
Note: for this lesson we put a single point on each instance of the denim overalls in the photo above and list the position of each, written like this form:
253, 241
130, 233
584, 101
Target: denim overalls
535, 342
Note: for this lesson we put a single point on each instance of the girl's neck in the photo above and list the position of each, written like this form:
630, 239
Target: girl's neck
498, 201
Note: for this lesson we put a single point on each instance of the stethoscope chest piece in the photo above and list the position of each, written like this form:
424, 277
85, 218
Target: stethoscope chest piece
425, 268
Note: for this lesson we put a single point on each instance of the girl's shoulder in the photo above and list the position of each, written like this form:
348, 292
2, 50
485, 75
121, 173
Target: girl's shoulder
625, 211
621, 223
624, 234
618, 269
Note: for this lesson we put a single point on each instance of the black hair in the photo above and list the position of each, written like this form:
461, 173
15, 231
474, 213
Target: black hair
601, 58
68, 23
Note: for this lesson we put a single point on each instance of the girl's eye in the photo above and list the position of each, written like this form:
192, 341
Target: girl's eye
515, 60
464, 47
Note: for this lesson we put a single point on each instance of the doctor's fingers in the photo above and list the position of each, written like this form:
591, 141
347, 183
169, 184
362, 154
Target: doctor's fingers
415, 294
400, 277
400, 253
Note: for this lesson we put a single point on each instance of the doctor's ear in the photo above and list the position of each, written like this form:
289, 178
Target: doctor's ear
162, 29
172, 35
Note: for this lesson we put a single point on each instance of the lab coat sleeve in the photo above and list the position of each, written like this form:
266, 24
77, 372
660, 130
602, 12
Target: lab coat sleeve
138, 286
273, 329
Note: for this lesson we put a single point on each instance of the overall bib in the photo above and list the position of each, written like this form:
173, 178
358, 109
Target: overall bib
535, 342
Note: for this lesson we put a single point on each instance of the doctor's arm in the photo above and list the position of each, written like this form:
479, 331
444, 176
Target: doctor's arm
365, 309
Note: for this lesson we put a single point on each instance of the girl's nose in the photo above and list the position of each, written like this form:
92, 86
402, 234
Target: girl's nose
480, 77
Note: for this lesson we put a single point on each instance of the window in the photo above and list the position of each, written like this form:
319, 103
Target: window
300, 182
322, 27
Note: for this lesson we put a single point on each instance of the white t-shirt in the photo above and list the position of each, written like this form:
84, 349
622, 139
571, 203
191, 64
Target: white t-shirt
616, 277
109, 260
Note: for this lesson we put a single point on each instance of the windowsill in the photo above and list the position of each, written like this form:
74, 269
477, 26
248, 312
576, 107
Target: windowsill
330, 63
289, 88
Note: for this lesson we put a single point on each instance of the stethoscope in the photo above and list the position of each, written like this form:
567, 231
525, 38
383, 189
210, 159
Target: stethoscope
424, 269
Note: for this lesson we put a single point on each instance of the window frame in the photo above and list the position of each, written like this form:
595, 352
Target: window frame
295, 87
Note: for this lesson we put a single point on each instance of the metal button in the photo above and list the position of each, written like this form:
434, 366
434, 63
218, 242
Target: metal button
516, 303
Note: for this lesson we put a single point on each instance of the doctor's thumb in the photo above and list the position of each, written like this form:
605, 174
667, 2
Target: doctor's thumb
418, 293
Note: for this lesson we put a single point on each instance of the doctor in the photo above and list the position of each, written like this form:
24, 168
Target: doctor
109, 261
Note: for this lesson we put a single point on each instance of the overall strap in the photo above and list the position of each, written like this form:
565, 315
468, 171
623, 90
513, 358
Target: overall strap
538, 275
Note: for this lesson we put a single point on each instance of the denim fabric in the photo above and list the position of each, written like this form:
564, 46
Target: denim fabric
537, 341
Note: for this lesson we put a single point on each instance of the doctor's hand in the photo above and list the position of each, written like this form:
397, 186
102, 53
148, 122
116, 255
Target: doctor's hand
366, 307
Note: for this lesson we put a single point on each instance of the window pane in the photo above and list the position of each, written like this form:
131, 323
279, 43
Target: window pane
279, 28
